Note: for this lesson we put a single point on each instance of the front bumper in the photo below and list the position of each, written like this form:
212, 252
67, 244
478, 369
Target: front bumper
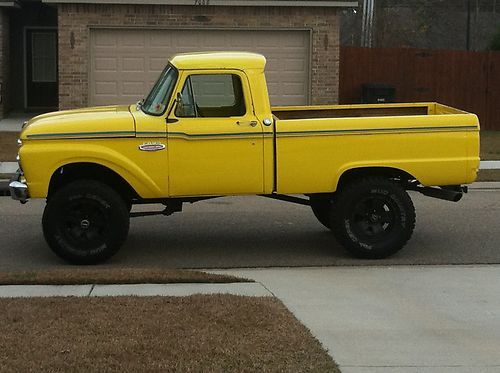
18, 188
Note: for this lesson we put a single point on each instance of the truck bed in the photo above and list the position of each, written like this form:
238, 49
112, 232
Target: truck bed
366, 110
433, 143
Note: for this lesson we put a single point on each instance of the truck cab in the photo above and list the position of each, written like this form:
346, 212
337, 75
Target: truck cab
215, 126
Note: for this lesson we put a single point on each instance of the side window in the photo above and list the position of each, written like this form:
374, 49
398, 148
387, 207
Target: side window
217, 95
186, 108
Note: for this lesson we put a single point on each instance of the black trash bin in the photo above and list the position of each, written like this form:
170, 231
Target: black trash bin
378, 93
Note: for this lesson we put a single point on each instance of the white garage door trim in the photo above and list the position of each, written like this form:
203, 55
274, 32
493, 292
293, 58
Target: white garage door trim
96, 28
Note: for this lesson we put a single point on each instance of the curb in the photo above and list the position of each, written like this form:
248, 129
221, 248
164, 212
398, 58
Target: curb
249, 289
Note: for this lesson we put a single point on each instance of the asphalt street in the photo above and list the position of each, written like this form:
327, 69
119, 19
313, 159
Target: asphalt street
241, 232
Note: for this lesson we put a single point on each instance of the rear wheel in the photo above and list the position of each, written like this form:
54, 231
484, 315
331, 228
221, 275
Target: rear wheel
85, 222
373, 217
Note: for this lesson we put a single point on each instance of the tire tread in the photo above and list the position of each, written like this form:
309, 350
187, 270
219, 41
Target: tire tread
356, 187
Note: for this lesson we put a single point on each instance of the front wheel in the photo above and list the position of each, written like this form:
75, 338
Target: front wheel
373, 217
85, 222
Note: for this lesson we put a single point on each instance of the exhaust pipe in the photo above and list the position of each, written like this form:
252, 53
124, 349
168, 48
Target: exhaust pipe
446, 194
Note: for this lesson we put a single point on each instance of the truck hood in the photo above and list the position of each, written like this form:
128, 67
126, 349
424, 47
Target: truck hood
103, 121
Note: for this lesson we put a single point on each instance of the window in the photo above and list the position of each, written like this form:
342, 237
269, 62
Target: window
157, 100
44, 57
217, 95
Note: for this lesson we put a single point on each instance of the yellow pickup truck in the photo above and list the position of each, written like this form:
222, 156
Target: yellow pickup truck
207, 130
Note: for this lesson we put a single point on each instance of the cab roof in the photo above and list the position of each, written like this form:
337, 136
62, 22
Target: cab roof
218, 60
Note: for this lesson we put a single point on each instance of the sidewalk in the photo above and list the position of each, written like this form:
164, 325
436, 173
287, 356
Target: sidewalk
145, 290
371, 319
489, 165
14, 121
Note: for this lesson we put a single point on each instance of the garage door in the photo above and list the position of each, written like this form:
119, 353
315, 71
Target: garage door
126, 62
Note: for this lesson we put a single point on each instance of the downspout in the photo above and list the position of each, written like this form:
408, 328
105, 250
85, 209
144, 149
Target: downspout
367, 24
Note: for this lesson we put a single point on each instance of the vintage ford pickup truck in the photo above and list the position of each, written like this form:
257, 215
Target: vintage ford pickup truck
207, 130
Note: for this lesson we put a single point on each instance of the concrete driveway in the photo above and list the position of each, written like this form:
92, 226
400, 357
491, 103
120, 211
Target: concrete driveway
259, 232
396, 319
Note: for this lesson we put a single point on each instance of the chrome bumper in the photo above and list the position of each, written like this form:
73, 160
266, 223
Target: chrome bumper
18, 188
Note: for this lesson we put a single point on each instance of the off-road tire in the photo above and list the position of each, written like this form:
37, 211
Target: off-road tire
373, 217
85, 222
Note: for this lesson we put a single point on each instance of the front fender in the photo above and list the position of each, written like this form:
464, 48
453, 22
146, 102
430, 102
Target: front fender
40, 159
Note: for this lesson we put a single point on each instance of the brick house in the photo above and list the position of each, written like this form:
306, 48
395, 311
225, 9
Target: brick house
66, 54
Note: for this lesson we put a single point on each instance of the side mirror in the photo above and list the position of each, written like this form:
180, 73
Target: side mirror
139, 105
179, 99
177, 103
180, 105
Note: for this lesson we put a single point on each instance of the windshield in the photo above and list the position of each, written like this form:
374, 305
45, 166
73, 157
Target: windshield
157, 100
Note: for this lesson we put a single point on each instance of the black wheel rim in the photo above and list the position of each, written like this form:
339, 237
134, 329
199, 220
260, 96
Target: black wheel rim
84, 224
374, 218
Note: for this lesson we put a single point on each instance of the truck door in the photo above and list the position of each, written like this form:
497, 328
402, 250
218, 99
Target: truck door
215, 142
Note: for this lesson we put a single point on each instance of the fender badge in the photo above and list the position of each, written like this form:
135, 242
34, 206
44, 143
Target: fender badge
151, 146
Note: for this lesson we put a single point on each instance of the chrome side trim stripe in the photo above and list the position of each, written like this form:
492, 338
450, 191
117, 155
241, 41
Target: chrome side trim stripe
364, 131
83, 134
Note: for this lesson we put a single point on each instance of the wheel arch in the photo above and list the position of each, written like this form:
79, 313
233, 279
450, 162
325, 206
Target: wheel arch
90, 171
360, 172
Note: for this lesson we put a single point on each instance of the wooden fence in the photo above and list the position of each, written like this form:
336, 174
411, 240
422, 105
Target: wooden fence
466, 80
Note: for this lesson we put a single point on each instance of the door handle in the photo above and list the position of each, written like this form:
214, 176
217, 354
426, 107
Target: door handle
251, 123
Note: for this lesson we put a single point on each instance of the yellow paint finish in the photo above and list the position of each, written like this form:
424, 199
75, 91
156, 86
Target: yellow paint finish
92, 122
262, 109
473, 160
216, 156
142, 170
148, 125
218, 60
431, 148
215, 166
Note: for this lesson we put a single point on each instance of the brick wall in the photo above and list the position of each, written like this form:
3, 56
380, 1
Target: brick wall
74, 21
4, 62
